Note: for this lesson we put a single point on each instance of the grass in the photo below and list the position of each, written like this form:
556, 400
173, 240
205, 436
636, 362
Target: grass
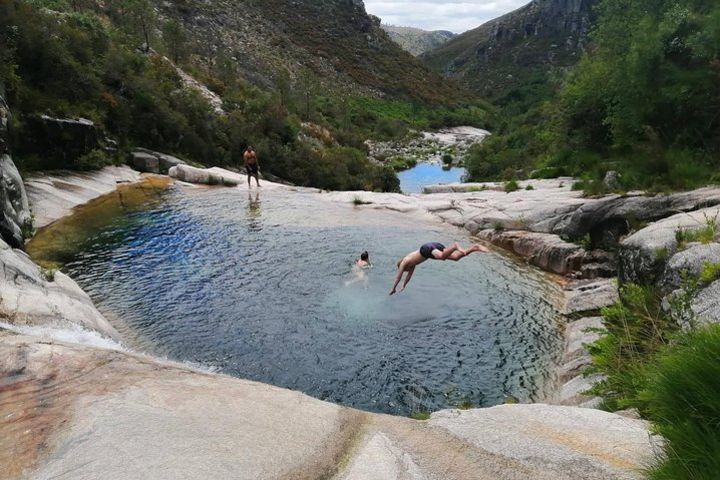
420, 415
683, 397
705, 234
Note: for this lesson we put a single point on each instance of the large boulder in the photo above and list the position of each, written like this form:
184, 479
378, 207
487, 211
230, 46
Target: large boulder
186, 173
60, 141
688, 263
14, 209
644, 255
149, 161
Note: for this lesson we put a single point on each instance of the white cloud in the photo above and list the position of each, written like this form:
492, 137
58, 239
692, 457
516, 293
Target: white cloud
456, 16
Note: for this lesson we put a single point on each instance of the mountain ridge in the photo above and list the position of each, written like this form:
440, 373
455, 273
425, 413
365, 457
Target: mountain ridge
417, 41
503, 53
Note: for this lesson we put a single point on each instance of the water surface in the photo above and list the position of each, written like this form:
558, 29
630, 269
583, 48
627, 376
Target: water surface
254, 285
414, 179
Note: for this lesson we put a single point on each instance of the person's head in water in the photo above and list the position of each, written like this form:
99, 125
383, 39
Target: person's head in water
364, 260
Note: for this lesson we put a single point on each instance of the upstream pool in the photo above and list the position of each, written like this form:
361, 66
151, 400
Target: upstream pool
255, 285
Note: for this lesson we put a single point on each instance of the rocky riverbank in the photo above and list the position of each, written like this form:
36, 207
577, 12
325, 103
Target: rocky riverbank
449, 146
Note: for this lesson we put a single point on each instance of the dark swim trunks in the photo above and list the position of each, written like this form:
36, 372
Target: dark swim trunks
251, 169
427, 249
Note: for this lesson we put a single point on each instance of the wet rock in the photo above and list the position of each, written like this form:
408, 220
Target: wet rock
186, 173
31, 296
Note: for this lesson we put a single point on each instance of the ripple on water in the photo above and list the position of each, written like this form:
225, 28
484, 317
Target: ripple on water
256, 289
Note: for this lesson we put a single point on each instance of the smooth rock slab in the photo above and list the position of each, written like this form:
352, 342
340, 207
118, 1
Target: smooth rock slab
76, 412
28, 298
578, 443
53, 195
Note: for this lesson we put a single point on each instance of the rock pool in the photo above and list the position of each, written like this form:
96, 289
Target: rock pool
254, 285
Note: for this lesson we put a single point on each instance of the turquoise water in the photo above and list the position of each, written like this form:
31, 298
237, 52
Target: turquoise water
414, 179
256, 286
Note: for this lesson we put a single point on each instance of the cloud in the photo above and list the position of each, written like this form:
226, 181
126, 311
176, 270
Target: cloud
456, 16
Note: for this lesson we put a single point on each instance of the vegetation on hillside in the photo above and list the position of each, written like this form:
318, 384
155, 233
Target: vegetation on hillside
109, 63
644, 101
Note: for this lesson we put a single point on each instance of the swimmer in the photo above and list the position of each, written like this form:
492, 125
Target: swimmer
358, 269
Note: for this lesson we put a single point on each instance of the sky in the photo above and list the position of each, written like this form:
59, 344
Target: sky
454, 15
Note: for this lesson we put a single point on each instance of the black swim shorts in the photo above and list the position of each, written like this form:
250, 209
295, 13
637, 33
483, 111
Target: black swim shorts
427, 249
251, 169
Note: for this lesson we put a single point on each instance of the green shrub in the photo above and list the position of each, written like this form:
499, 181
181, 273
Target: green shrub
682, 394
511, 186
710, 272
447, 159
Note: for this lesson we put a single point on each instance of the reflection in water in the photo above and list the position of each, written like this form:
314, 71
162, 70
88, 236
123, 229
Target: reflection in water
253, 211
261, 294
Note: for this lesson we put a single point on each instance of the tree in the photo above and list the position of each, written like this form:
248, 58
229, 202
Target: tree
175, 39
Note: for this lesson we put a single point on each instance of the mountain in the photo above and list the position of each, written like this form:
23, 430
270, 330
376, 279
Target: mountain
518, 48
335, 42
418, 41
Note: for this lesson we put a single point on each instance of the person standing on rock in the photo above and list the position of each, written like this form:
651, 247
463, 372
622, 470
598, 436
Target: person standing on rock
434, 251
251, 164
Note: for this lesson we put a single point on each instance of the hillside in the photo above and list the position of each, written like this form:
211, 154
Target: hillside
518, 48
333, 42
417, 41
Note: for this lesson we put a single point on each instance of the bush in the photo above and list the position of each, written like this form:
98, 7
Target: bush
511, 186
683, 399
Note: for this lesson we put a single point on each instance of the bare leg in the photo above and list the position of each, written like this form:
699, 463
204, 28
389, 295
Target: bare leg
458, 254
445, 254
257, 180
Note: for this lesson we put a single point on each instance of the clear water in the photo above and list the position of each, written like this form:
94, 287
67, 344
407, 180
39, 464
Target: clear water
414, 179
255, 286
